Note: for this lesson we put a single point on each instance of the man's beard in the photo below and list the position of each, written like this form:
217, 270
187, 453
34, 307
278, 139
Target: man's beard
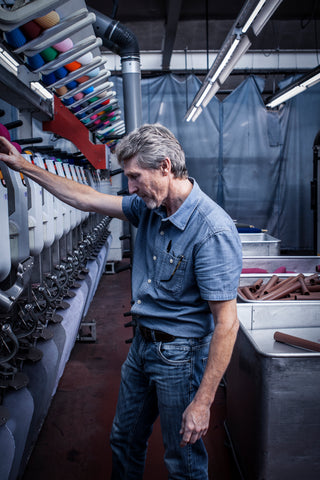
150, 202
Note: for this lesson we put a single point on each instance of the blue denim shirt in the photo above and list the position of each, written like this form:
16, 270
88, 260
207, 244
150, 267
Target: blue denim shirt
182, 261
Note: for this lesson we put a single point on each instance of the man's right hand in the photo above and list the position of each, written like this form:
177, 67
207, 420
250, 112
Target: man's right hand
10, 155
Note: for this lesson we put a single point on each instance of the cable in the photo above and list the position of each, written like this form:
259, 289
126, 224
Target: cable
114, 9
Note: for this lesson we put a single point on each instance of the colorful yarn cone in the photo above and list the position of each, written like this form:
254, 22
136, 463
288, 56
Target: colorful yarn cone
15, 38
31, 30
49, 54
61, 72
86, 58
35, 62
72, 66
64, 46
49, 79
4, 132
71, 85
94, 72
61, 90
88, 90
83, 79
48, 20
68, 101
78, 96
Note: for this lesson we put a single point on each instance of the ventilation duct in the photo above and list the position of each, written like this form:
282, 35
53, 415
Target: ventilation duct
122, 41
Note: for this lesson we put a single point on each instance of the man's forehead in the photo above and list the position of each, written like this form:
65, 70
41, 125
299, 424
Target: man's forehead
131, 166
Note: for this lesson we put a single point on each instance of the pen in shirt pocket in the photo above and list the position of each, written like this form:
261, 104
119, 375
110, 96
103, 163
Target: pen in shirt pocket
181, 257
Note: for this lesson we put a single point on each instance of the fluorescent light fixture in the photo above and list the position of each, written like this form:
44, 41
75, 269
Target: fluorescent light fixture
263, 16
311, 81
286, 96
241, 50
253, 16
212, 93
197, 113
295, 88
193, 111
254, 12
204, 94
225, 60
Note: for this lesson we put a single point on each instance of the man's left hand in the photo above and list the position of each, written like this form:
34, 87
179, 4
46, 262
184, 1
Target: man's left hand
195, 423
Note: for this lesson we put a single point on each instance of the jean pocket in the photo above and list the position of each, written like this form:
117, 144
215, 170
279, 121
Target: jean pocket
174, 354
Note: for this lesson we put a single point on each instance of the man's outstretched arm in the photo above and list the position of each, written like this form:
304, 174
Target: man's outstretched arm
73, 193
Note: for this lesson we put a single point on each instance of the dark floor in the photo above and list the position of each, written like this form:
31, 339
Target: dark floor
73, 442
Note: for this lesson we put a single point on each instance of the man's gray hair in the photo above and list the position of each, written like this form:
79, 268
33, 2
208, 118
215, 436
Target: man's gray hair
151, 144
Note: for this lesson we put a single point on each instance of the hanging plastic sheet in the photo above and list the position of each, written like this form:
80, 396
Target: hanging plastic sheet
254, 162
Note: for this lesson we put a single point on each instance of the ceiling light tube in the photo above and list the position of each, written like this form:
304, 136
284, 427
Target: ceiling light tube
311, 81
243, 47
225, 60
203, 95
253, 16
198, 111
211, 94
295, 88
264, 15
285, 96
190, 115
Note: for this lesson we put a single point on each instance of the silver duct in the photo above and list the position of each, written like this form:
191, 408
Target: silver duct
120, 40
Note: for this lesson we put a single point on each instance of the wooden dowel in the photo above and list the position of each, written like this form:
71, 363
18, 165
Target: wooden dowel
296, 341
273, 280
282, 292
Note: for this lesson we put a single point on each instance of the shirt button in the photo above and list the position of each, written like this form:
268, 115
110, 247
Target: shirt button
149, 280
138, 302
171, 261
162, 232
154, 257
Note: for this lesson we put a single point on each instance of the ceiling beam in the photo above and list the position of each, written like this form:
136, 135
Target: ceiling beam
196, 62
173, 15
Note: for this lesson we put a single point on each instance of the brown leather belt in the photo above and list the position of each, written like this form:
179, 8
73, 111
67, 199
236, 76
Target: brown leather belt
155, 335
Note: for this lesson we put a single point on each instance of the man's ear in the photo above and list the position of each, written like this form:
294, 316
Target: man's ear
166, 166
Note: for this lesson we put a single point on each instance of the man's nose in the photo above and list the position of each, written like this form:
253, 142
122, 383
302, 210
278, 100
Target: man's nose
132, 187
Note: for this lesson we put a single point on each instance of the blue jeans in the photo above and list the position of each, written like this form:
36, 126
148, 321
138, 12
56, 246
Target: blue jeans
158, 379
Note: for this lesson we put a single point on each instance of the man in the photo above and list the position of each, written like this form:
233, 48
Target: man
186, 268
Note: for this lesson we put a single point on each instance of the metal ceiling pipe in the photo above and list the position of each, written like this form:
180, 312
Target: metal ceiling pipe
120, 40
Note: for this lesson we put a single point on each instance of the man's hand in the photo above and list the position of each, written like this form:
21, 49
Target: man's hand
10, 155
195, 423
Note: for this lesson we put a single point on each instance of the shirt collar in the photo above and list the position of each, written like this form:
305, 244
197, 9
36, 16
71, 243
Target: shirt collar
181, 217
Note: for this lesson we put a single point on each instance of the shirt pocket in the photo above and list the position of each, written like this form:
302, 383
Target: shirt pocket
170, 277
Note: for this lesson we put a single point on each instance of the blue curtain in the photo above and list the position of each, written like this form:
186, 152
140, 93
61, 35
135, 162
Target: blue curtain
257, 164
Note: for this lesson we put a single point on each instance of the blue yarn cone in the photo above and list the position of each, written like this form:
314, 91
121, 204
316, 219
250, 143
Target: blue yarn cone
61, 72
35, 62
15, 38
49, 79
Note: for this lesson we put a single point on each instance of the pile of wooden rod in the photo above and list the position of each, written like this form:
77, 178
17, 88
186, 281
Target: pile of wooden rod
299, 287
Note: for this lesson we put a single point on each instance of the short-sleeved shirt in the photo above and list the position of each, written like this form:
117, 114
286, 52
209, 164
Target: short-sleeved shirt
181, 262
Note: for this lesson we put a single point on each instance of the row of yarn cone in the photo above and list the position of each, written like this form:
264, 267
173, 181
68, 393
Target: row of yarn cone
85, 101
